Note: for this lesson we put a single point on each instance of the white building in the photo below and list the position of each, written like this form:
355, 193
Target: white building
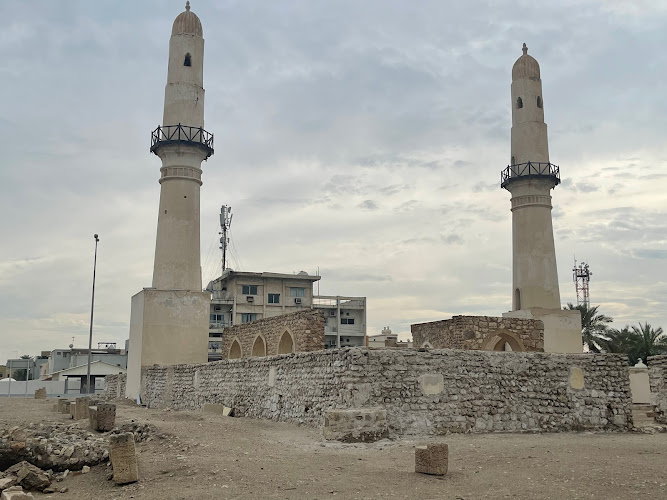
387, 339
240, 297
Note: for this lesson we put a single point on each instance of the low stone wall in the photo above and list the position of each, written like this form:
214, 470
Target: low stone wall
486, 333
429, 392
302, 331
657, 374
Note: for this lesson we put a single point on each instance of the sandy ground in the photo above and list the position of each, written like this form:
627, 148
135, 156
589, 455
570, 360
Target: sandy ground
210, 456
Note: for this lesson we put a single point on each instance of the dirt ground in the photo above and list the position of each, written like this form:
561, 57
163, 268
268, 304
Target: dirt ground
210, 456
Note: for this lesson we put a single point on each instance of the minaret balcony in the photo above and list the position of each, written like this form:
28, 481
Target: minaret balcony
535, 170
181, 134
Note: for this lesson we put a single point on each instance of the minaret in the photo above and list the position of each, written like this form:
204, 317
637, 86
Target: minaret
182, 144
169, 321
530, 177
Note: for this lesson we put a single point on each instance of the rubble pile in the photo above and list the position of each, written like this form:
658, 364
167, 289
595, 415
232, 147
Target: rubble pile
55, 446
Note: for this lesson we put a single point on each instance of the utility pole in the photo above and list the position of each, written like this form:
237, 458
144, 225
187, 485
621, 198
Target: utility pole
92, 307
225, 223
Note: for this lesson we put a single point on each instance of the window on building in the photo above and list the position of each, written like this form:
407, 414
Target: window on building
274, 298
249, 290
215, 335
217, 317
214, 346
248, 317
347, 321
188, 60
297, 292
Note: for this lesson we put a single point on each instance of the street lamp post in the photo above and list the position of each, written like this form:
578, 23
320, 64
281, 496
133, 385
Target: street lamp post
92, 306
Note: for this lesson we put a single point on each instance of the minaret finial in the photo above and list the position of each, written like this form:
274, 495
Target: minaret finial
187, 7
525, 49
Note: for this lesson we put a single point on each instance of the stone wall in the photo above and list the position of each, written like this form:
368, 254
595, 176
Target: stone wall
485, 333
430, 392
302, 331
657, 374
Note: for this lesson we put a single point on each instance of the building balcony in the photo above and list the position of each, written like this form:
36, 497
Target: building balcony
221, 297
331, 302
529, 170
181, 134
218, 325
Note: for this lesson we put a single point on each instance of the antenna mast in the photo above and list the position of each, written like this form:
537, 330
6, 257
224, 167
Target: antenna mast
225, 224
581, 276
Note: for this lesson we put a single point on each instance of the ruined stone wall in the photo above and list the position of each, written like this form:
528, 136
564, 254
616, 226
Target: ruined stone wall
657, 375
480, 333
305, 327
429, 392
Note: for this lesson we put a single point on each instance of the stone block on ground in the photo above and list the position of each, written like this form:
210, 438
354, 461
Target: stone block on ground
16, 493
63, 406
355, 426
29, 476
102, 417
123, 458
40, 393
213, 408
432, 459
81, 411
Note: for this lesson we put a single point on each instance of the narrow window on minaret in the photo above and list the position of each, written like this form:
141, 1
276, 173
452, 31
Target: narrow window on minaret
187, 60
539, 101
519, 103
517, 299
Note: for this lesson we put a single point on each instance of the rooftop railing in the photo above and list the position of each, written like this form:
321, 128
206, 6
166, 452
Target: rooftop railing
527, 170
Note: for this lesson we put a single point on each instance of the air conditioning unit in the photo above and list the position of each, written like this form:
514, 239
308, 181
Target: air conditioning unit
332, 312
297, 300
250, 299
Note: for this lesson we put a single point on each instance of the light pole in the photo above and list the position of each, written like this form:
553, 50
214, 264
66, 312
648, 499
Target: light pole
92, 306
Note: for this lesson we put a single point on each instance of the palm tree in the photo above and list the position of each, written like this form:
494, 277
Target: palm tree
593, 325
621, 341
648, 341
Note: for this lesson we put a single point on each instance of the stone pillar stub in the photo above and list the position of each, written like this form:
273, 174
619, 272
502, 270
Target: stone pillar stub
123, 458
432, 459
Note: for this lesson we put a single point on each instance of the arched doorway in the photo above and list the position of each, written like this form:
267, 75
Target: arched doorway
503, 341
235, 350
286, 344
259, 347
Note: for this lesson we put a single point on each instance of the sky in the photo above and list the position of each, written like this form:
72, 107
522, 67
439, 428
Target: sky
363, 139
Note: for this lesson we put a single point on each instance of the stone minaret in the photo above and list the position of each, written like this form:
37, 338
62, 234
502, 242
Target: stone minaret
182, 144
530, 177
169, 321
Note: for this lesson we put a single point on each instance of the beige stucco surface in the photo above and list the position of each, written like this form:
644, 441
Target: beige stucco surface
639, 385
562, 328
167, 327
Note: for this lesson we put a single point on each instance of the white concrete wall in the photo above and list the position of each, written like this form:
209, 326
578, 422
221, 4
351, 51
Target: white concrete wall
53, 388
639, 385
562, 328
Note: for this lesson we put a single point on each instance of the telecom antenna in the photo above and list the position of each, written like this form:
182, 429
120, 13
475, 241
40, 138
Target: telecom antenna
225, 223
581, 275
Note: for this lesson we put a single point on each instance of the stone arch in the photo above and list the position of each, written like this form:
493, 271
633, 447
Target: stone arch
286, 344
258, 347
235, 351
496, 342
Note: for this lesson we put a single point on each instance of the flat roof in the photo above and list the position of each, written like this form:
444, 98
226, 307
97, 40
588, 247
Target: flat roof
230, 273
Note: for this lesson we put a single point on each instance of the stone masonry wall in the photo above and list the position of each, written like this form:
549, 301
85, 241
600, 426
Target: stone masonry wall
306, 328
657, 375
430, 392
480, 333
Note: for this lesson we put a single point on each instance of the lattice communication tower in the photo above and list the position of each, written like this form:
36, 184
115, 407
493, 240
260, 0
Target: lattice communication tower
225, 223
581, 275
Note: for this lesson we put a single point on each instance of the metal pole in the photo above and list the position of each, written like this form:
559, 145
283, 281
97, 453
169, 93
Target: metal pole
92, 306
9, 382
27, 377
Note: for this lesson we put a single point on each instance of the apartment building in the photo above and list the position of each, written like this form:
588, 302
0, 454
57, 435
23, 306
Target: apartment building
240, 297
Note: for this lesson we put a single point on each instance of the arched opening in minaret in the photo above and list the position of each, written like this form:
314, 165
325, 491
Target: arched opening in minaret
517, 299
519, 103
188, 61
539, 101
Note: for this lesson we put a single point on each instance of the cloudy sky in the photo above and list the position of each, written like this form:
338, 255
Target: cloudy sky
363, 138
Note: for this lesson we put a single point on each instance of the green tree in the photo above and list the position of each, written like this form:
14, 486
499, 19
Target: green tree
621, 341
648, 342
19, 374
593, 326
